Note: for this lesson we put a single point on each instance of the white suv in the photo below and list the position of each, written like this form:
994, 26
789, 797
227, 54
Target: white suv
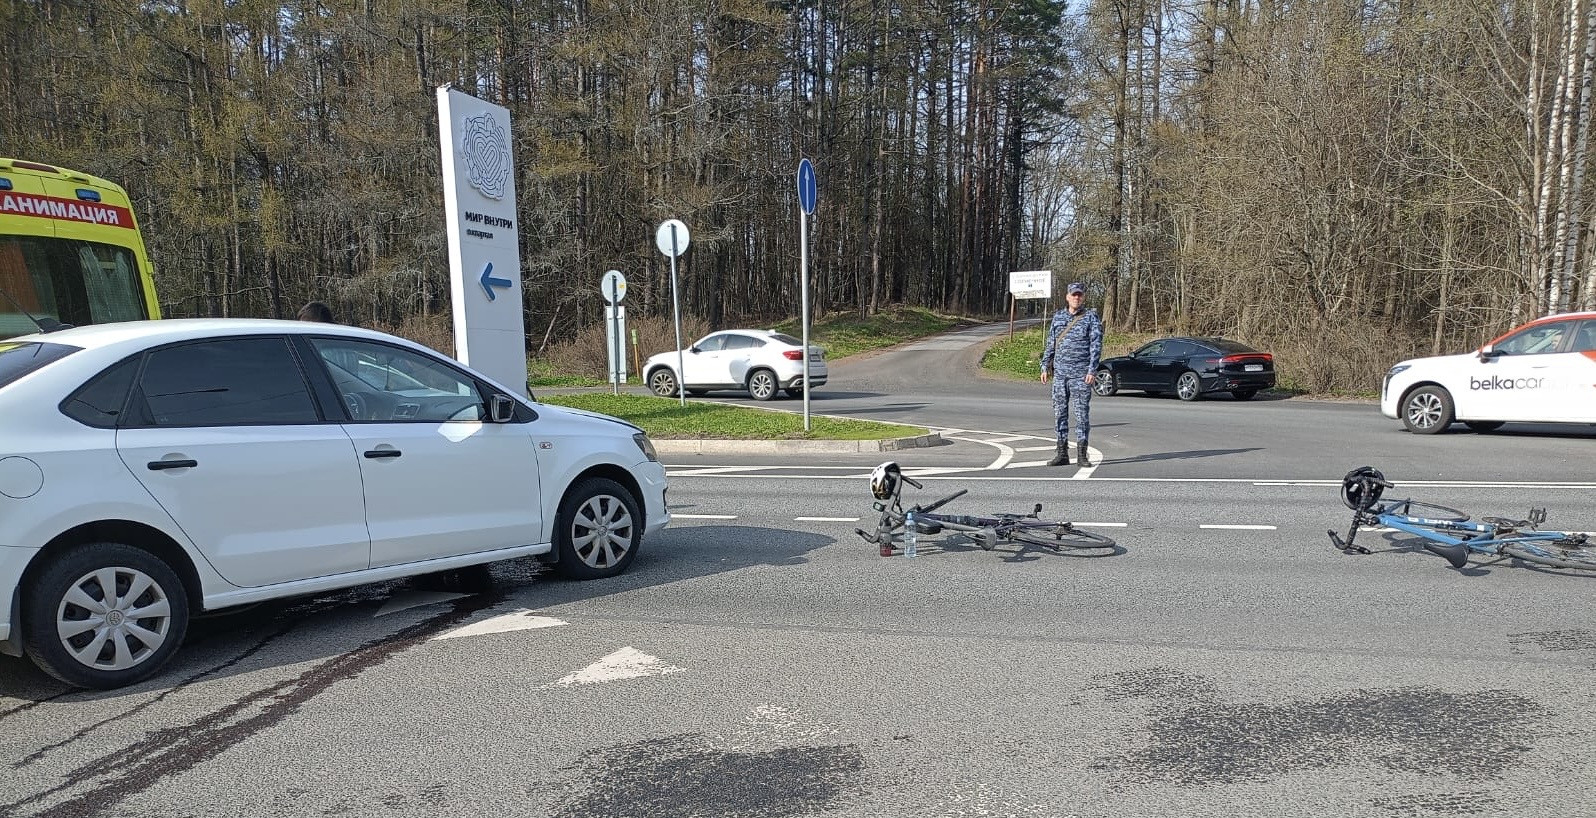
151, 470
763, 362
1543, 371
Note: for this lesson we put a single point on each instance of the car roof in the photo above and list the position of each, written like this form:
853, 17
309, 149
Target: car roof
181, 329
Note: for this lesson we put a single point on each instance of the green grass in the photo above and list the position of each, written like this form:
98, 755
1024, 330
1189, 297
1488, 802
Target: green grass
666, 418
1020, 356
845, 334
539, 373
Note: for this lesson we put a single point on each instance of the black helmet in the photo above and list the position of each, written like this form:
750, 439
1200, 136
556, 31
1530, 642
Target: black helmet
1362, 487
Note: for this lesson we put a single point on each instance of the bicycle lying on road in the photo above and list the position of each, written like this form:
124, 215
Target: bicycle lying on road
1451, 534
887, 481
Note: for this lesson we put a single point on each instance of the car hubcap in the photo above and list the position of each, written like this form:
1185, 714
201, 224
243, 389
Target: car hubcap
113, 618
1188, 386
1425, 411
763, 385
602, 531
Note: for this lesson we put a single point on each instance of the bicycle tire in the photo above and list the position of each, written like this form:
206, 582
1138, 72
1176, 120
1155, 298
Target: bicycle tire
1429, 511
1580, 556
1066, 537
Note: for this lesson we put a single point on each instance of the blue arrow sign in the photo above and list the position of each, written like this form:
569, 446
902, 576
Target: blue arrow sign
808, 187
489, 282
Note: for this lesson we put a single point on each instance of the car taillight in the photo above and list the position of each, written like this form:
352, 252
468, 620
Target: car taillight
1251, 356
793, 355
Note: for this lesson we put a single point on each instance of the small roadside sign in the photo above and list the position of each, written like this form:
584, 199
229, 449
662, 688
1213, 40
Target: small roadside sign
1031, 284
671, 238
808, 187
613, 285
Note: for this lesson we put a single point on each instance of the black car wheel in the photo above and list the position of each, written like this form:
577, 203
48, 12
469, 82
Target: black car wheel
104, 615
598, 530
1189, 386
762, 385
1103, 384
662, 382
1427, 410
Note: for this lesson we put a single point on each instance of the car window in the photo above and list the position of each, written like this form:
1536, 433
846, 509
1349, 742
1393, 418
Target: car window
1181, 349
743, 342
1536, 340
1152, 350
17, 360
711, 343
226, 382
1585, 338
787, 339
99, 402
382, 384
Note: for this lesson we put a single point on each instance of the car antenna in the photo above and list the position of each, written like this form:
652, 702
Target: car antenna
45, 323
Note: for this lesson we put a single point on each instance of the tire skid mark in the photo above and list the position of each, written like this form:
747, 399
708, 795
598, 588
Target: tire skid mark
26, 706
151, 702
171, 751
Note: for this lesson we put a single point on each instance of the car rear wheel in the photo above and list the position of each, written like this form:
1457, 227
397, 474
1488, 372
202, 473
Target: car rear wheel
762, 384
1483, 425
1103, 384
597, 531
104, 615
1427, 410
1188, 386
662, 382
1243, 394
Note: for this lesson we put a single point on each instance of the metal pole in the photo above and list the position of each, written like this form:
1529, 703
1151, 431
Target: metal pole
615, 332
676, 307
803, 271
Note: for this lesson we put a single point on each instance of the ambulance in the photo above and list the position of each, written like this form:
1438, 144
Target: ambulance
1541, 372
70, 251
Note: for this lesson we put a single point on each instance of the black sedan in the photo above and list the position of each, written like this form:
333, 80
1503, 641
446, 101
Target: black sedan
1189, 367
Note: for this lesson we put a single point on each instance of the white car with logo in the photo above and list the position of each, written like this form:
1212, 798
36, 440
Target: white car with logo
762, 362
152, 470
1541, 372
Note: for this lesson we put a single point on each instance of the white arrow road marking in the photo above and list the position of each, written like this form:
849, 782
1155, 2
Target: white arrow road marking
522, 620
626, 663
414, 599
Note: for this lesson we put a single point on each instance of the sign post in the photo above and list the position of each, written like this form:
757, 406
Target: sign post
1028, 284
808, 195
671, 238
613, 285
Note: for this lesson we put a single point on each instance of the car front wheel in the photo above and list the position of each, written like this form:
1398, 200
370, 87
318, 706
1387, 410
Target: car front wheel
762, 385
1427, 410
598, 530
662, 382
1189, 386
1103, 384
104, 615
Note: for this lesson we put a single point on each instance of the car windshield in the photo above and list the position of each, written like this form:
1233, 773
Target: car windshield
18, 359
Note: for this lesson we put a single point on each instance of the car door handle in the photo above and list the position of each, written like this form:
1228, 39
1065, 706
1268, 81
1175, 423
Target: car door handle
377, 454
163, 465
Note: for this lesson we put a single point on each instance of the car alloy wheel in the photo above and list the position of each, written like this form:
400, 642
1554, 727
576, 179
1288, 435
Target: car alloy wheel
1189, 386
1427, 410
762, 385
663, 383
1103, 384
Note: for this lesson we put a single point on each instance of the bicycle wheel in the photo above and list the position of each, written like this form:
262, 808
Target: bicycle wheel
1564, 553
1429, 511
1066, 538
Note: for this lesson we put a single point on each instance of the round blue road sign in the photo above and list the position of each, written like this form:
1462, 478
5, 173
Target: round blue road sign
808, 188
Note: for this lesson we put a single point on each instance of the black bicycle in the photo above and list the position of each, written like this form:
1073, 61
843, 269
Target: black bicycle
887, 481
1451, 534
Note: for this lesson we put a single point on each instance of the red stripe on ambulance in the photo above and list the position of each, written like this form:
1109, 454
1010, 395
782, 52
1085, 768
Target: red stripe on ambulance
52, 207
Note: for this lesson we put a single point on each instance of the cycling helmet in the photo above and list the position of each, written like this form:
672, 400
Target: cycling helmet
884, 480
1361, 487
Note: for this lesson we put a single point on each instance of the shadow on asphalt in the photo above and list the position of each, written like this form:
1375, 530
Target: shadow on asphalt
347, 629
1194, 454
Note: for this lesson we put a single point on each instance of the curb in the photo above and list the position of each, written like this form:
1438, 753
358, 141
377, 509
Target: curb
709, 446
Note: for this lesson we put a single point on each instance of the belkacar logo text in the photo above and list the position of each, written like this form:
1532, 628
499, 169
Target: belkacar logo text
1499, 382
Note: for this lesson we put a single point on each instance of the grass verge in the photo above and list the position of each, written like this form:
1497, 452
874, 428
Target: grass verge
667, 419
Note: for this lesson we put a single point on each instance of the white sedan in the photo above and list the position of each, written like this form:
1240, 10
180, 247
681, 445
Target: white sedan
151, 470
762, 362
1541, 372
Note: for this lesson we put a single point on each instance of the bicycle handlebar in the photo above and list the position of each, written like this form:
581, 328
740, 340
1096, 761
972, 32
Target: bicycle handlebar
911, 481
938, 504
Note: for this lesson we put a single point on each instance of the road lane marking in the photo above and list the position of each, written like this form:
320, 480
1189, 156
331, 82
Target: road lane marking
826, 519
522, 620
626, 663
1238, 527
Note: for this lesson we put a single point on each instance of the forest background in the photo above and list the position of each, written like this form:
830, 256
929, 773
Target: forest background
1345, 182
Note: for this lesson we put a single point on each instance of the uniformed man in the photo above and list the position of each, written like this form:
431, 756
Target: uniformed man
1074, 345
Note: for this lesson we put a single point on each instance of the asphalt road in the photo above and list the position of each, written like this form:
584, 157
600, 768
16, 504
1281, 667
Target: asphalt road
760, 660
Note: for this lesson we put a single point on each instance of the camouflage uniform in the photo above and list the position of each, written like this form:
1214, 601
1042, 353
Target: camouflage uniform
1070, 358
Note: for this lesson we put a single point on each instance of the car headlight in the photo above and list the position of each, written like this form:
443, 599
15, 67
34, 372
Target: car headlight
1398, 368
642, 441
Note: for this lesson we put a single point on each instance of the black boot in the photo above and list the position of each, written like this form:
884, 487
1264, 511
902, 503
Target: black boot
1080, 454
1062, 458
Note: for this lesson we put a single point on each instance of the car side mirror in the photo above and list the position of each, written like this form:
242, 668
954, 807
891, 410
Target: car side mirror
501, 409
693, 349
1489, 353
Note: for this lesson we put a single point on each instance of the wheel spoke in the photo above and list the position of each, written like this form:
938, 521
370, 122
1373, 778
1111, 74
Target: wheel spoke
157, 609
141, 583
106, 577
68, 628
90, 654
122, 654
151, 639
80, 598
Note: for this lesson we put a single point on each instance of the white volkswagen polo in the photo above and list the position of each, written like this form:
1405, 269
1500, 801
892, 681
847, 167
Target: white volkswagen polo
152, 470
1543, 371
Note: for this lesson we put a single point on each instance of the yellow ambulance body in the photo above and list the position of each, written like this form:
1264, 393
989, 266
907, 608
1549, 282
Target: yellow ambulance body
70, 250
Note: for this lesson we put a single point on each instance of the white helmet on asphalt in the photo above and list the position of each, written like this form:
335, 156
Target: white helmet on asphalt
884, 480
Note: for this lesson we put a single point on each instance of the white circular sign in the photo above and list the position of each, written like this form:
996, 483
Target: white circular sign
662, 237
613, 285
